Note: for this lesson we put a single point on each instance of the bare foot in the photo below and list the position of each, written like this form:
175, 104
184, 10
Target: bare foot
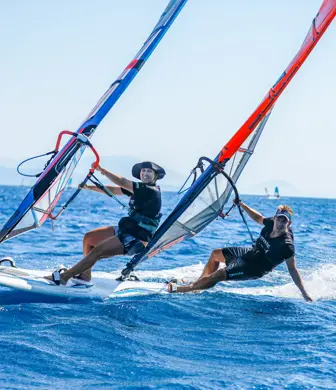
174, 288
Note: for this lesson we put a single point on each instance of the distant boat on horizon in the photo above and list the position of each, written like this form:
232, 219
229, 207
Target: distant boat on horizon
70, 183
276, 194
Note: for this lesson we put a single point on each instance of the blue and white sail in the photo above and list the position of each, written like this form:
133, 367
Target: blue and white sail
43, 197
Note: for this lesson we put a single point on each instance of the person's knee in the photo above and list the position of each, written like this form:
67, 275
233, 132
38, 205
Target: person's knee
217, 254
86, 238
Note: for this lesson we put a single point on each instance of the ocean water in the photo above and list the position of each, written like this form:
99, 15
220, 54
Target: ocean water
239, 335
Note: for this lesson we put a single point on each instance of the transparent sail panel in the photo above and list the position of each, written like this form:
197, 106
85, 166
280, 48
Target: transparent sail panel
212, 200
44, 207
238, 161
202, 211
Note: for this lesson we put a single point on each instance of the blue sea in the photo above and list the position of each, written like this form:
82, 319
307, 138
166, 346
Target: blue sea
239, 335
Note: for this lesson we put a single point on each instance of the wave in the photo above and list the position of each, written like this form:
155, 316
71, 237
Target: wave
319, 283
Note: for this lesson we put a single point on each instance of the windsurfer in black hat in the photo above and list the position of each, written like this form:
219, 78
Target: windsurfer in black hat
133, 231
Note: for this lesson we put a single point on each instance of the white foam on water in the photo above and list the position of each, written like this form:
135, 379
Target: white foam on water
320, 284
187, 273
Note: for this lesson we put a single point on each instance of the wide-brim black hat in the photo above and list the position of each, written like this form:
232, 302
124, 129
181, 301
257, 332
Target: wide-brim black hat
148, 164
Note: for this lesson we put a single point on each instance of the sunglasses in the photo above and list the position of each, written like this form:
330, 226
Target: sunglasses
282, 219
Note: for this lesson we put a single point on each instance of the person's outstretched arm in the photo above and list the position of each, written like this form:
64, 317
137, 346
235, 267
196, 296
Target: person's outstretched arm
253, 214
116, 179
114, 190
295, 274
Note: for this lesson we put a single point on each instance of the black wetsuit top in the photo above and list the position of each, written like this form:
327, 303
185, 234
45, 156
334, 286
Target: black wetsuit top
269, 252
144, 215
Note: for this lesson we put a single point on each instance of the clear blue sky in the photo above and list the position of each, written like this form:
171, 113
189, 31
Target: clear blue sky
208, 74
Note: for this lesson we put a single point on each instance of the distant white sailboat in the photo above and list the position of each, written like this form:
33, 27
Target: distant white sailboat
70, 185
276, 194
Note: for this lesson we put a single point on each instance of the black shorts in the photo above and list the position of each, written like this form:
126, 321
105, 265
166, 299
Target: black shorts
132, 245
238, 264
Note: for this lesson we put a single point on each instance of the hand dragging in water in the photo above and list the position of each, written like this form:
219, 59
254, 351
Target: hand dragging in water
308, 298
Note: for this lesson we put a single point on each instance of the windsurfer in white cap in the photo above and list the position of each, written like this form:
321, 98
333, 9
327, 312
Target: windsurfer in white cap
274, 246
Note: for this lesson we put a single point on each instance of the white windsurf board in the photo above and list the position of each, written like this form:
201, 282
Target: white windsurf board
104, 285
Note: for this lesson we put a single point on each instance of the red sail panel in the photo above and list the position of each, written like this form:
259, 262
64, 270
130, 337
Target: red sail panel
321, 22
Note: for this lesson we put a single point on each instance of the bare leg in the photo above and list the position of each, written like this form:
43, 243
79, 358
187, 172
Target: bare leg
210, 275
108, 248
212, 265
92, 239
202, 283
